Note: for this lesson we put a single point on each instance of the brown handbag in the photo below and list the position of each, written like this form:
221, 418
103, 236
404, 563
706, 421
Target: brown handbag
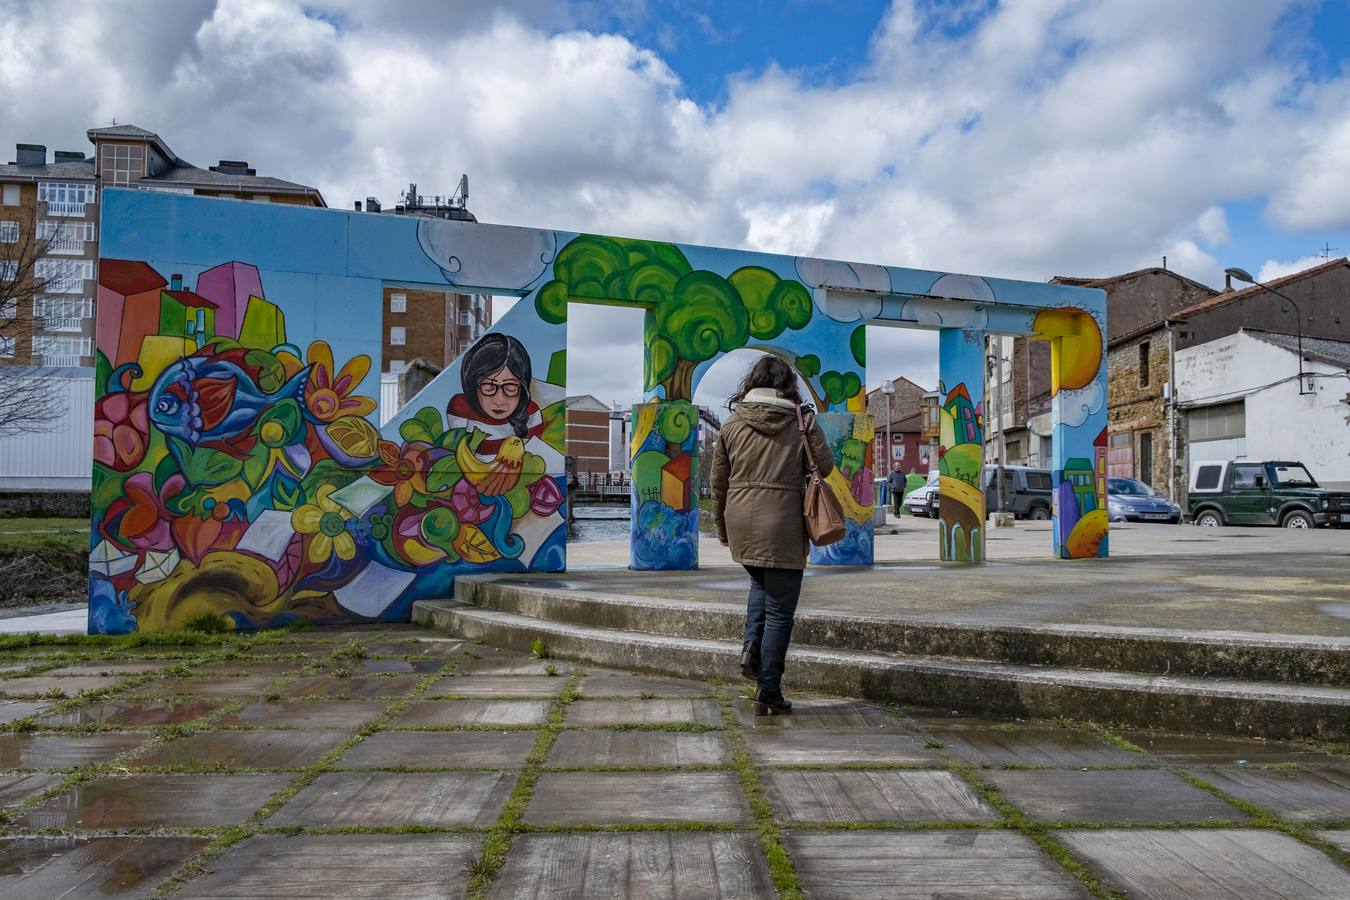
824, 518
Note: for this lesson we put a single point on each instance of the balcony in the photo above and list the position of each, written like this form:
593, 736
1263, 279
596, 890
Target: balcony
64, 208
62, 324
61, 360
66, 246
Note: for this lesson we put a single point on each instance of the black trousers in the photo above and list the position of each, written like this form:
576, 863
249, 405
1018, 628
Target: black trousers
768, 619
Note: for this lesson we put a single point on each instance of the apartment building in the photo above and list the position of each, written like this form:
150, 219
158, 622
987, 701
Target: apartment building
588, 435
430, 324
900, 438
52, 205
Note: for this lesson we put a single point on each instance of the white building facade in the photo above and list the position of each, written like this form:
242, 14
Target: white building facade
1239, 398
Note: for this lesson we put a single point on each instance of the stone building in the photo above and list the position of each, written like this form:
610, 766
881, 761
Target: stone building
902, 440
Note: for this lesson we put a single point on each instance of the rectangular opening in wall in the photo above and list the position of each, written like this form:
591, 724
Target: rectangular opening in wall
1143, 364
1145, 473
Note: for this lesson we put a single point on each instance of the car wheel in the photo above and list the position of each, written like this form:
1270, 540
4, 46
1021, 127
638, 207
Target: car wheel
1298, 519
1038, 514
1209, 519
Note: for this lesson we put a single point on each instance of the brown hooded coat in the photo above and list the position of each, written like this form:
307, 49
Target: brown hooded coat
759, 481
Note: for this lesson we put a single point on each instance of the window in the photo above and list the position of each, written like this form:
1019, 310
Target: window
398, 336
9, 195
62, 351
6, 347
1207, 479
1146, 457
65, 237
63, 276
9, 269
65, 198
121, 164
1249, 477
261, 198
63, 313
398, 303
9, 309
1143, 364
1040, 481
1211, 423
395, 366
465, 317
9, 232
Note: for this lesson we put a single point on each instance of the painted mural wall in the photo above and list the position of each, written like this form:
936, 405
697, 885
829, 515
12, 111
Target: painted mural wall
240, 474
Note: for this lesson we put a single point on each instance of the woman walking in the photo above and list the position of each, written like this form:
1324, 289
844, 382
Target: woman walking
759, 474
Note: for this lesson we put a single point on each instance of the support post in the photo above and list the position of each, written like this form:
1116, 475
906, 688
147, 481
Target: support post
961, 510
850, 435
1078, 447
663, 464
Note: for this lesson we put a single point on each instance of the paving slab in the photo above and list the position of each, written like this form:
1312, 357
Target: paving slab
75, 867
476, 712
135, 713
384, 799
324, 866
220, 686
643, 712
500, 686
821, 712
400, 666
150, 801
231, 667
441, 750
894, 865
68, 685
1140, 796
245, 749
317, 650
629, 798
63, 751
641, 685
838, 747
1336, 837
119, 668
1300, 795
1210, 863
352, 686
1205, 750
873, 796
1032, 746
13, 710
317, 714
706, 865
14, 789
638, 748
502, 663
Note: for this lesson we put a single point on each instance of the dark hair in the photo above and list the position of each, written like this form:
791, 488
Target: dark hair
768, 372
489, 355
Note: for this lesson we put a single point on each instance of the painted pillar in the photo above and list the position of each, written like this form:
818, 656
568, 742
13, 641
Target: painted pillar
961, 453
663, 462
850, 437
1079, 446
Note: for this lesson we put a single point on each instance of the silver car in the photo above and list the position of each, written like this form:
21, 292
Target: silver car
917, 501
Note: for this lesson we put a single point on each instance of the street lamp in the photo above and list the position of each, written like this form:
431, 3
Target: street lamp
1244, 275
887, 388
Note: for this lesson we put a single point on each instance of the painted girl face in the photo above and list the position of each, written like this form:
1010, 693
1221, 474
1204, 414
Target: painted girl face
499, 393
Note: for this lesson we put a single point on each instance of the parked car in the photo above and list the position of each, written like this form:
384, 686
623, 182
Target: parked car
1028, 495
1263, 493
1130, 500
917, 503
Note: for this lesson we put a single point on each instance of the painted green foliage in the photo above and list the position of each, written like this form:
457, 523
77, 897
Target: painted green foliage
692, 315
857, 342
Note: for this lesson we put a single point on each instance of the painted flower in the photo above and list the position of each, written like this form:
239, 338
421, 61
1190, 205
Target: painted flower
466, 503
330, 396
405, 469
326, 522
139, 516
121, 431
545, 496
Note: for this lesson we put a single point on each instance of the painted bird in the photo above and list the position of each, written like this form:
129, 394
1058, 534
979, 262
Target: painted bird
494, 476
214, 401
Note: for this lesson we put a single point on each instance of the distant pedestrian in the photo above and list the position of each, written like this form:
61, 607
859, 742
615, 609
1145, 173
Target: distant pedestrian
895, 483
759, 474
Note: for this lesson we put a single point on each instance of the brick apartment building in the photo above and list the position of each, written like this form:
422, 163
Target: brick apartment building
430, 324
903, 441
57, 199
588, 435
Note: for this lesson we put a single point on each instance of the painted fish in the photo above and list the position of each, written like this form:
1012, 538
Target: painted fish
214, 401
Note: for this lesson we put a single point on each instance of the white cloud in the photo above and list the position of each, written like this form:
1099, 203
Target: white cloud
1274, 268
1063, 136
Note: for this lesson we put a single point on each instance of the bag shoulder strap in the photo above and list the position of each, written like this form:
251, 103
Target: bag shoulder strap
806, 446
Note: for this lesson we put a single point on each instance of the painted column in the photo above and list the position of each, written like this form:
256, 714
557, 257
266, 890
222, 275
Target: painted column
1079, 455
850, 438
961, 454
663, 461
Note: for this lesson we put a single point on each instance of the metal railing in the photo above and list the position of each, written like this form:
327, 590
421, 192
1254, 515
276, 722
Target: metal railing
62, 360
62, 323
68, 246
64, 208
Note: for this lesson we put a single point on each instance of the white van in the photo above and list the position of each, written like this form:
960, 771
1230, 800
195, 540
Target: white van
917, 501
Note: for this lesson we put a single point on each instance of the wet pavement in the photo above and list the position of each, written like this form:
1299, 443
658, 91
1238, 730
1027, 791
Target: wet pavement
412, 765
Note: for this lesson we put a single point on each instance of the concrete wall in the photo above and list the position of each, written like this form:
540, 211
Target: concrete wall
1314, 430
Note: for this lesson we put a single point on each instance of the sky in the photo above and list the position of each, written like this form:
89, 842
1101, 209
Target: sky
1025, 138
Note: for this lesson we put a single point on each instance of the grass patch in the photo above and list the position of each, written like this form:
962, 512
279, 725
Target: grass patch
209, 623
538, 649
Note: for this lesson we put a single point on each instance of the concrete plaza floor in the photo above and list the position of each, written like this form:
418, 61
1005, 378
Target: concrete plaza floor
390, 762
1261, 580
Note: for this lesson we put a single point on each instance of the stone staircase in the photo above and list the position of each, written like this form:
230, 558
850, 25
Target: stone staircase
1223, 682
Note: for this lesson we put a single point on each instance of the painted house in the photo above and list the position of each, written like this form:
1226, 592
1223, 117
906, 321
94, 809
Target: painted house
186, 313
128, 307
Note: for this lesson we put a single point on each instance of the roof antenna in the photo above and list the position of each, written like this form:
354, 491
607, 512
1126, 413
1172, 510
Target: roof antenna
1327, 250
1164, 262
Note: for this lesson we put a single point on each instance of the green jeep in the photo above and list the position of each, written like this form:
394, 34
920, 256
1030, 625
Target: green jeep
1263, 493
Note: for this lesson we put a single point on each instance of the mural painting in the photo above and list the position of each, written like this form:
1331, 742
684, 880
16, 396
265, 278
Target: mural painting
239, 475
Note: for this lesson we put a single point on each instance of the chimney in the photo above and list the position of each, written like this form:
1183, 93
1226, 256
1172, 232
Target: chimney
372, 204
30, 154
233, 167
175, 282
65, 156
358, 205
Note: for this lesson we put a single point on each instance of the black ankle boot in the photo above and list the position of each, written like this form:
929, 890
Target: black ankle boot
771, 704
750, 661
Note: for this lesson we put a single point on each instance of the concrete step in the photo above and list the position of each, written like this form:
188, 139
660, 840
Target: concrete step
1287, 659
1179, 703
